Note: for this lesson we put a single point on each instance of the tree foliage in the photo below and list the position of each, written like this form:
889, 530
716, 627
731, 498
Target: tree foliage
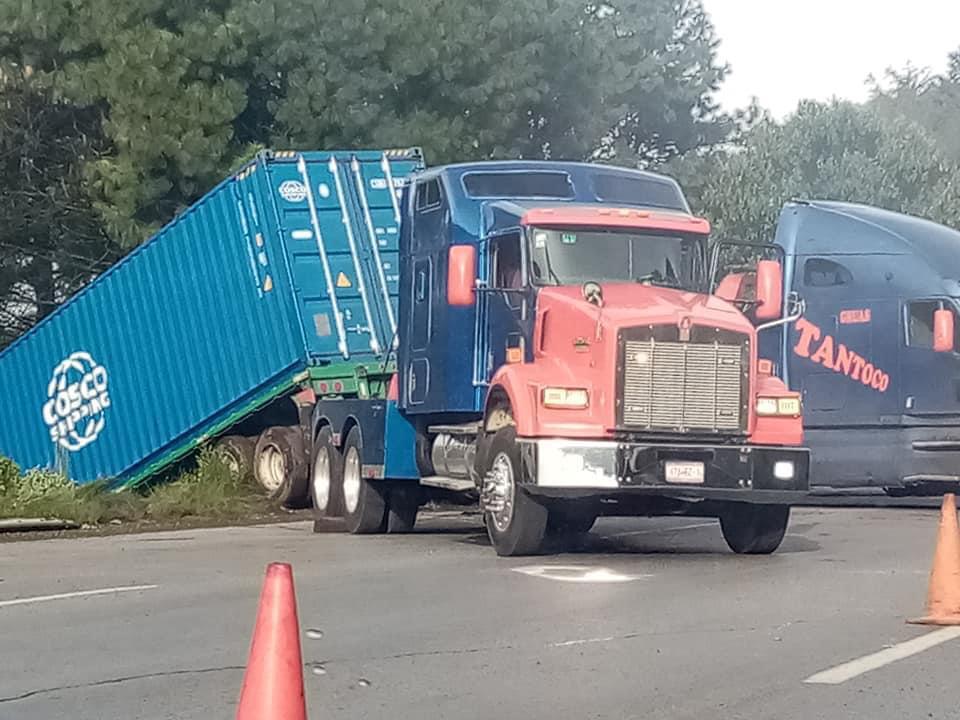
838, 151
51, 239
931, 101
187, 90
125, 113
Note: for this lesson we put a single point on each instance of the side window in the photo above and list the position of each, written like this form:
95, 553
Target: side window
428, 196
507, 263
820, 272
919, 317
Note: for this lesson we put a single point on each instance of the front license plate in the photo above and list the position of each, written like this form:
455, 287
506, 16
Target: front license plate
684, 473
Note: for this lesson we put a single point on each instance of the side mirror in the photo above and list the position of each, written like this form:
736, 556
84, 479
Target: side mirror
769, 290
461, 275
943, 330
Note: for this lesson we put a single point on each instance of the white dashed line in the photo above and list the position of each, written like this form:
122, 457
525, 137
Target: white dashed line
587, 641
855, 668
78, 594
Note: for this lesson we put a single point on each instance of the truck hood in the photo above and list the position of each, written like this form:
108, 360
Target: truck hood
628, 305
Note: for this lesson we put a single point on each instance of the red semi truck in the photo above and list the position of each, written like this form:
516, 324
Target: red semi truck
566, 347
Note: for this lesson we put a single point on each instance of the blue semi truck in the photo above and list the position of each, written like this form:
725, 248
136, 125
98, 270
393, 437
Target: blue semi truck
875, 355
363, 330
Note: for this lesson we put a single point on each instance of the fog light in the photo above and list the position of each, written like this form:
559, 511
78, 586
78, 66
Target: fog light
783, 470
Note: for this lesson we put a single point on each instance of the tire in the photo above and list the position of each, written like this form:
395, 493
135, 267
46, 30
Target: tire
237, 452
364, 502
403, 505
754, 529
280, 465
326, 479
518, 529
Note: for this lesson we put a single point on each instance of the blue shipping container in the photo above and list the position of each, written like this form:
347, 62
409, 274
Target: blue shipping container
290, 263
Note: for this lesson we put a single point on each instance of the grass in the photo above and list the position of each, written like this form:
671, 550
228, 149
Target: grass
209, 490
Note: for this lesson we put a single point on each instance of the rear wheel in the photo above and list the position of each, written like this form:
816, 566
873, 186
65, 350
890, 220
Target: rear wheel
516, 523
754, 529
364, 503
237, 453
326, 473
280, 465
404, 504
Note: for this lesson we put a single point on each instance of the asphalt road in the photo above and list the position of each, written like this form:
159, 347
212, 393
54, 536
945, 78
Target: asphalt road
649, 619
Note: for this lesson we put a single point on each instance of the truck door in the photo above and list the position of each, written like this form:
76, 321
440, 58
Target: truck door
930, 380
842, 357
427, 243
508, 322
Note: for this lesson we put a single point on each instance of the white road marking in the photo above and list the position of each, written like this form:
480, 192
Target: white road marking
855, 668
586, 641
79, 593
654, 531
577, 573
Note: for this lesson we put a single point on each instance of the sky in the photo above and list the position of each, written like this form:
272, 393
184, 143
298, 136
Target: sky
783, 51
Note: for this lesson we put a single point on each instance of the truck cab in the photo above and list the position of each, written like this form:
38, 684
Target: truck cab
875, 355
561, 352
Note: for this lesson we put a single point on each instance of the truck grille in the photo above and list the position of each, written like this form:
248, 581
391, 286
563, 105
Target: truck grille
673, 386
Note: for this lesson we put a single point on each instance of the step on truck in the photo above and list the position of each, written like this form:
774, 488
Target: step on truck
566, 347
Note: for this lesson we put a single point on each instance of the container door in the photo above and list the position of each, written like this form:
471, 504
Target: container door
339, 216
843, 352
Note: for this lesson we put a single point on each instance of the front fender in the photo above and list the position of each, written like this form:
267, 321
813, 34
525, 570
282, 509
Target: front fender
775, 430
522, 386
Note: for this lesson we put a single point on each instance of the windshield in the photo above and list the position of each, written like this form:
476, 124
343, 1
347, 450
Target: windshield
575, 256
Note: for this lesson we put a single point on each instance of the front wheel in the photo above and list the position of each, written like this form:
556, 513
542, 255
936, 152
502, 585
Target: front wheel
754, 529
516, 523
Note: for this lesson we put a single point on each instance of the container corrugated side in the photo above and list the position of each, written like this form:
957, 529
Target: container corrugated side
187, 325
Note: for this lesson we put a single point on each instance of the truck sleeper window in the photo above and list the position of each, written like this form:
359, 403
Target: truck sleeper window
576, 256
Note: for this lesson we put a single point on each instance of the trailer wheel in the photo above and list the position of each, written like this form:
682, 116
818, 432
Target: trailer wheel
326, 472
364, 502
516, 523
280, 465
237, 452
754, 529
404, 502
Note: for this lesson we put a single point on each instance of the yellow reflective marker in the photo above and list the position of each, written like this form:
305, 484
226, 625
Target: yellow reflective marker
343, 281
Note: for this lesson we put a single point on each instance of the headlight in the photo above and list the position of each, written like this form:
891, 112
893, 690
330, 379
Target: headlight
557, 397
788, 406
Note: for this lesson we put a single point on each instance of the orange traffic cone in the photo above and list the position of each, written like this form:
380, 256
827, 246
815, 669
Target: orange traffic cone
943, 596
273, 683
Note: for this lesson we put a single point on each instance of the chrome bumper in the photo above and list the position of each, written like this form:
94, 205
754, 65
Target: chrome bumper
730, 471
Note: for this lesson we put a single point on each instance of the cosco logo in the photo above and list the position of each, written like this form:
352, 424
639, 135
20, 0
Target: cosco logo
292, 191
77, 400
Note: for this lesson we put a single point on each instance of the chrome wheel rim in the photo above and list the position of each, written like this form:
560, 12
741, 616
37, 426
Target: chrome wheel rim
321, 479
501, 477
273, 468
351, 480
